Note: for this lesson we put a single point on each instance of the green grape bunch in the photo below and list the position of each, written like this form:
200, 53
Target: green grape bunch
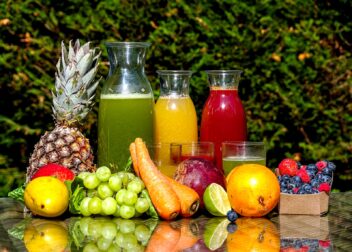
120, 194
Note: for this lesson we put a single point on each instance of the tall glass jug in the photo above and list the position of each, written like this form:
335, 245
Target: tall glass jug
223, 116
126, 108
175, 114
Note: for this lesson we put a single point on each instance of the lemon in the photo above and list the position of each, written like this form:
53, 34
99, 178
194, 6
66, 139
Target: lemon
46, 196
215, 232
46, 235
216, 200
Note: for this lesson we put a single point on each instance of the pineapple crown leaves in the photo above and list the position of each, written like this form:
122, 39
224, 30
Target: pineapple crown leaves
74, 83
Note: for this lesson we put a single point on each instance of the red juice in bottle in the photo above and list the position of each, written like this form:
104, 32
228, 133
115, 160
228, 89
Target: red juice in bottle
223, 116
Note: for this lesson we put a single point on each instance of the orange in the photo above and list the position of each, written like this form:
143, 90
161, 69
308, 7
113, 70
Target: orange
254, 234
253, 190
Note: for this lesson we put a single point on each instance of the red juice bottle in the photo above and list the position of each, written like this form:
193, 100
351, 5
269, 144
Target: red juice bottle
223, 116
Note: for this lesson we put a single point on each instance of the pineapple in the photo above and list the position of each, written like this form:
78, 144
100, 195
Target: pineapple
72, 100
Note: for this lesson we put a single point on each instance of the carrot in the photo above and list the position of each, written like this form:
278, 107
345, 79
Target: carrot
189, 198
134, 158
187, 237
164, 198
164, 238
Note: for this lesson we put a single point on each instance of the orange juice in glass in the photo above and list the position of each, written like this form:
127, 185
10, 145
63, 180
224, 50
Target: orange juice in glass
175, 115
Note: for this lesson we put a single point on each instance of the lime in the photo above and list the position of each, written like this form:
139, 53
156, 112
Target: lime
216, 200
215, 233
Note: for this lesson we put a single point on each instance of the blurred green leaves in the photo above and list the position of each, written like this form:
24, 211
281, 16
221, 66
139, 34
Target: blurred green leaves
296, 57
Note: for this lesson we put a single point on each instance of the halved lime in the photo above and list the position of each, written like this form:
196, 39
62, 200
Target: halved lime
216, 200
215, 232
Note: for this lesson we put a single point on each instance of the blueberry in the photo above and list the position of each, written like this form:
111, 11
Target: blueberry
285, 178
232, 215
315, 190
290, 186
312, 167
331, 166
296, 180
231, 228
319, 176
311, 173
314, 182
279, 178
298, 244
325, 179
306, 187
283, 184
326, 171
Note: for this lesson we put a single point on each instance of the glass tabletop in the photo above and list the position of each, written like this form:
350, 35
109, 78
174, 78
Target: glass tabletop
331, 232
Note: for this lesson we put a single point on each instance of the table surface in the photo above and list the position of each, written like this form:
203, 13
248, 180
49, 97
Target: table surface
332, 232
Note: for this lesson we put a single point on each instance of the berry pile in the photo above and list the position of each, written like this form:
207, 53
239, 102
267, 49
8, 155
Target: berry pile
295, 178
304, 245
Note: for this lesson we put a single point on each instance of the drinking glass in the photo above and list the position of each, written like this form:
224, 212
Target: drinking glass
183, 151
238, 153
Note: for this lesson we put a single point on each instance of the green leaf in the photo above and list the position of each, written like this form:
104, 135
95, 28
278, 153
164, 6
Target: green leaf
77, 194
17, 194
151, 211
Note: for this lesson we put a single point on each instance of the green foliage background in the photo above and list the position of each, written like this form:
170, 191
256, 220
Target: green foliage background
296, 56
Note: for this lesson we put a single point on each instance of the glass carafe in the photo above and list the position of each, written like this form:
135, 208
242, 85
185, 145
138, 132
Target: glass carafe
223, 116
126, 109
175, 114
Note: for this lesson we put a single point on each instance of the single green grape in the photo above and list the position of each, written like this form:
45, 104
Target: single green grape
94, 205
129, 241
130, 198
120, 195
142, 233
94, 229
142, 205
103, 243
104, 190
136, 185
119, 239
84, 206
115, 182
127, 212
90, 247
113, 248
103, 173
83, 175
109, 230
109, 206
91, 181
127, 226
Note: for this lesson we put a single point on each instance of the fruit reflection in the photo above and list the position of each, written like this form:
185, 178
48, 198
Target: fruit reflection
45, 235
254, 234
106, 234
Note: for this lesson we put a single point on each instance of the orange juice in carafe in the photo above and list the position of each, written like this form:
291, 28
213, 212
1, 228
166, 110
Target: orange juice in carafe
175, 115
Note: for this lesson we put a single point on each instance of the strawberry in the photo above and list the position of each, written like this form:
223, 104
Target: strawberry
288, 166
54, 170
303, 174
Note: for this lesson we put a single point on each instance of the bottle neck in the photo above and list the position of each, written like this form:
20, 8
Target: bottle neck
174, 82
126, 56
224, 79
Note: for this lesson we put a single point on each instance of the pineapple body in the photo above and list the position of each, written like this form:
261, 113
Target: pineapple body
65, 146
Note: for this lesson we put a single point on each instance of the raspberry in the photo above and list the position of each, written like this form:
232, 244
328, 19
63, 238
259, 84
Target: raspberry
324, 187
295, 190
288, 167
321, 164
324, 244
304, 176
303, 167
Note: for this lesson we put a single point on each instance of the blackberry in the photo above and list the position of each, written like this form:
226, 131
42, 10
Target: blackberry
232, 215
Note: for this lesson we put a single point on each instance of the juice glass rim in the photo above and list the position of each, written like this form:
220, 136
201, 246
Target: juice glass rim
242, 143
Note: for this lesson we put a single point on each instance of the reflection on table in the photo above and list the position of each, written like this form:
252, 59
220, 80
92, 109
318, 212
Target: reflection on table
286, 232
